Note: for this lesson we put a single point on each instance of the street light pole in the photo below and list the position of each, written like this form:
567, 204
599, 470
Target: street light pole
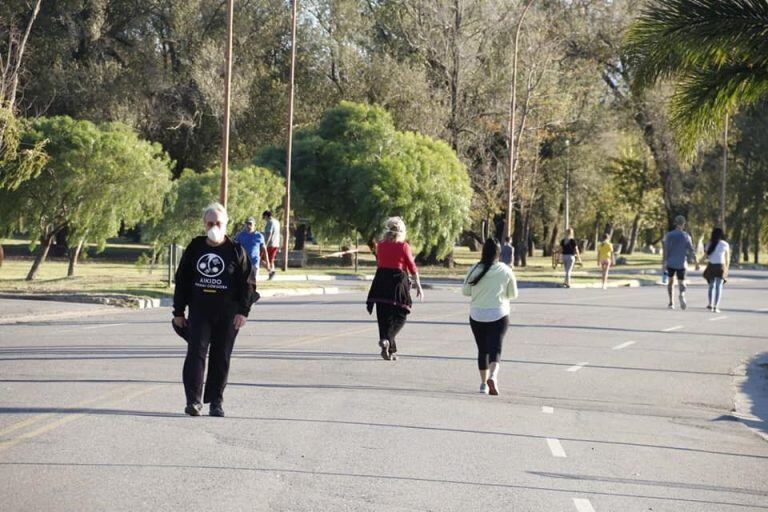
511, 118
227, 101
567, 185
287, 217
723, 178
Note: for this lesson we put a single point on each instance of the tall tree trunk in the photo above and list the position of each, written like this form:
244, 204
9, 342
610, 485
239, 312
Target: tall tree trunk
546, 249
517, 235
74, 253
633, 234
2, 255
42, 253
756, 241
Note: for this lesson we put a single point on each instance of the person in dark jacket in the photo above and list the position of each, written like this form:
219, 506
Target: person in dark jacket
212, 281
390, 290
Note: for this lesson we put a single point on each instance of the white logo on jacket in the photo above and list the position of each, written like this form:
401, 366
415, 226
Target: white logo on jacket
210, 265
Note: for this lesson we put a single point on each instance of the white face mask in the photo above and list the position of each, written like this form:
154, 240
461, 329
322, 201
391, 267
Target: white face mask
216, 234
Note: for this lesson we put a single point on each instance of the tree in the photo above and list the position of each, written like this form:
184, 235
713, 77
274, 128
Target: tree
96, 179
251, 190
354, 170
716, 51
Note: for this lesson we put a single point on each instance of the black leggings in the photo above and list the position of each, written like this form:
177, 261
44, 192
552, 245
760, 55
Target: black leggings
489, 337
391, 320
218, 332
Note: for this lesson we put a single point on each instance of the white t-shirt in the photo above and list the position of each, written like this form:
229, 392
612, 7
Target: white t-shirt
718, 255
272, 226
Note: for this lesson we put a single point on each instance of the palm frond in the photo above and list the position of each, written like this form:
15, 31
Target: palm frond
671, 36
703, 98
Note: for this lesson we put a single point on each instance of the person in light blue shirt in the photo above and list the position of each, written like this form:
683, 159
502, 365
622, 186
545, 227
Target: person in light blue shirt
253, 243
677, 248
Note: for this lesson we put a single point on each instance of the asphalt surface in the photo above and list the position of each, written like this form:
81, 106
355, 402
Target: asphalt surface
609, 402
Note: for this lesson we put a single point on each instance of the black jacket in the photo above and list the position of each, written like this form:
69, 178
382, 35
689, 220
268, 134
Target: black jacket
390, 286
213, 279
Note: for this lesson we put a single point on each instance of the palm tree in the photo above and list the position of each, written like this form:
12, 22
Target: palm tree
714, 51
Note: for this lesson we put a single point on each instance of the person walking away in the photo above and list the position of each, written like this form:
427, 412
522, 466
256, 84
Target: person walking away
390, 289
570, 251
253, 242
677, 247
272, 241
605, 257
507, 252
718, 253
212, 282
491, 285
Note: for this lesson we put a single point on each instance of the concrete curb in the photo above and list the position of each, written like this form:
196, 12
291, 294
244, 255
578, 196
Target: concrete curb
750, 383
131, 302
622, 283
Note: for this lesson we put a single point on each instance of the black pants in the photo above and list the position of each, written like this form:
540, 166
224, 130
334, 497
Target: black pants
489, 336
214, 330
391, 320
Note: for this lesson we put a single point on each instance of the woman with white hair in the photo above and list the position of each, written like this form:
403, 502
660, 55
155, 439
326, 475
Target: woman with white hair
212, 282
390, 290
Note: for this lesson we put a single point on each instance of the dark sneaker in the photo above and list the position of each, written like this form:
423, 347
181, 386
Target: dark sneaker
384, 344
492, 389
271, 275
216, 410
193, 409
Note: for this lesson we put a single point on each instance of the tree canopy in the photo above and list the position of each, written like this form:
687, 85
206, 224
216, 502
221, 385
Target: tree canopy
355, 169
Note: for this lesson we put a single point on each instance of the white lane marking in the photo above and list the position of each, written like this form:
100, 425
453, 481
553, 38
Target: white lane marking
577, 367
673, 328
762, 310
101, 325
715, 319
583, 505
556, 448
624, 345
547, 409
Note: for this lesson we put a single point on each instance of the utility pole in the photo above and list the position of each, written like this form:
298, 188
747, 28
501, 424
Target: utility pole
567, 185
723, 178
511, 118
287, 217
227, 103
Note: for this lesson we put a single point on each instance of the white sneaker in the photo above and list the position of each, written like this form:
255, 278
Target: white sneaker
683, 303
484, 388
716, 310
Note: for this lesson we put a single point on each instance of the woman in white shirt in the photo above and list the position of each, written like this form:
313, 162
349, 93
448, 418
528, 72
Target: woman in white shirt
718, 254
491, 285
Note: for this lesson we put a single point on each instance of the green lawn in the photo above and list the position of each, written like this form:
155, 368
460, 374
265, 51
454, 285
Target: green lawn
114, 271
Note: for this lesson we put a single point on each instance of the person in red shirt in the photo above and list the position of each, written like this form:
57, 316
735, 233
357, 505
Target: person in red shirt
391, 288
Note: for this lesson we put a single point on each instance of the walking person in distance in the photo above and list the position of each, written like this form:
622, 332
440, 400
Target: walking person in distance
491, 285
677, 247
390, 289
272, 241
605, 257
718, 253
570, 251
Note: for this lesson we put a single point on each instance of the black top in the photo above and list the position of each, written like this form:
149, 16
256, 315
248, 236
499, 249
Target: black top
213, 279
390, 286
568, 246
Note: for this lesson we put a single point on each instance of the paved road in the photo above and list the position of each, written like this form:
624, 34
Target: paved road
609, 402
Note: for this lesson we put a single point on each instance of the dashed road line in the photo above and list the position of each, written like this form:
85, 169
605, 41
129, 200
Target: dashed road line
583, 505
547, 409
716, 318
673, 328
577, 367
556, 448
624, 345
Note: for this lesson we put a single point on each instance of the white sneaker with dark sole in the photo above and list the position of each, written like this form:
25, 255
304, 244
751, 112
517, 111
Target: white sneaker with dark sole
484, 388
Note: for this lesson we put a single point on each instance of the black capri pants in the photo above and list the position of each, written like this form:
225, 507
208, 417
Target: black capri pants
489, 337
